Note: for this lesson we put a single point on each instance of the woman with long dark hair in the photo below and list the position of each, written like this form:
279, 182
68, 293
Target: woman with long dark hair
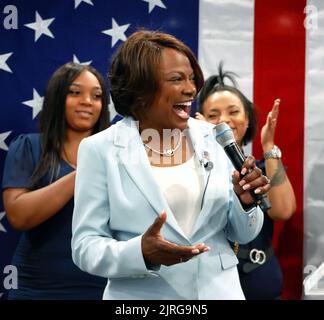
38, 185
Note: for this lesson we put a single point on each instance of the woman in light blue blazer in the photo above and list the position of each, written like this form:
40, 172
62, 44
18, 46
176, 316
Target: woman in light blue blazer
156, 199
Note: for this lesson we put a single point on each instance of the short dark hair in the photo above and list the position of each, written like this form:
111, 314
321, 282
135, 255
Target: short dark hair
216, 83
134, 70
53, 121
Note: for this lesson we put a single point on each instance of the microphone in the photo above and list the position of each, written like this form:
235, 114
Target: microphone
225, 137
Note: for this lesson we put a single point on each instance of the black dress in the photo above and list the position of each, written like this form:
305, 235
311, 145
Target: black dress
260, 281
43, 255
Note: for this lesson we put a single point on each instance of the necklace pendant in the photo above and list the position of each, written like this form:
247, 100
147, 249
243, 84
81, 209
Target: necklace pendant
168, 152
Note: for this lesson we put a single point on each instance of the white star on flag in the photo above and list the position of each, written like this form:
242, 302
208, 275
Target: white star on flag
154, 3
3, 137
36, 103
77, 2
2, 228
41, 26
76, 60
116, 32
3, 59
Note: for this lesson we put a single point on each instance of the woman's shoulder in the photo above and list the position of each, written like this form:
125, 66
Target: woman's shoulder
120, 130
22, 157
100, 137
25, 141
202, 127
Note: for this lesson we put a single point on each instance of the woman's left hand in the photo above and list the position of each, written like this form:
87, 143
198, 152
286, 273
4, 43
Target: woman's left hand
269, 128
250, 178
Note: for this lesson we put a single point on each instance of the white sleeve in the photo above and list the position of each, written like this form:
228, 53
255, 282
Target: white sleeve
243, 226
94, 249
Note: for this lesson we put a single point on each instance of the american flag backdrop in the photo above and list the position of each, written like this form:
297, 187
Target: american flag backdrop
275, 46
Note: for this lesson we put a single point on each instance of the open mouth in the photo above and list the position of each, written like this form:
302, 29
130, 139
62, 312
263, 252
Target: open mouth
183, 109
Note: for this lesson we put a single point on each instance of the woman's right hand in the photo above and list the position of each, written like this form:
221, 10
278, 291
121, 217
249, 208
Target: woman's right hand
156, 250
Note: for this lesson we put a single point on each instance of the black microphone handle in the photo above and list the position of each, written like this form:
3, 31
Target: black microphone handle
237, 157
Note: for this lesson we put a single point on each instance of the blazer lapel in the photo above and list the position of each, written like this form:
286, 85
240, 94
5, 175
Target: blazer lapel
203, 148
133, 157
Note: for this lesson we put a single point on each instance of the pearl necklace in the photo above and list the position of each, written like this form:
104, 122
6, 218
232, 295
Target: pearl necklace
166, 152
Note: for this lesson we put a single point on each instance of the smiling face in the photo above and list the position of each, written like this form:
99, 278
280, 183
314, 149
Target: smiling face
83, 103
225, 106
176, 90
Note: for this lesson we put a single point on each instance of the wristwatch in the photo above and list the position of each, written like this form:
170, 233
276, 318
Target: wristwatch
274, 153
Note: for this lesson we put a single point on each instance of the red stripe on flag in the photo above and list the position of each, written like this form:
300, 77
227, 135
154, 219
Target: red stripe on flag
279, 72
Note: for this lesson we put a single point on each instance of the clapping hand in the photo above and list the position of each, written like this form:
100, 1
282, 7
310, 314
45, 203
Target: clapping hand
268, 130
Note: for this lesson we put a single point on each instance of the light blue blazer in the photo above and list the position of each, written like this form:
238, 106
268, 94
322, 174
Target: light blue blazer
117, 199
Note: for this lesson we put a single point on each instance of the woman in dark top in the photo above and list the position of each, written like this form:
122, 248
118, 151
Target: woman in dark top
259, 269
38, 185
